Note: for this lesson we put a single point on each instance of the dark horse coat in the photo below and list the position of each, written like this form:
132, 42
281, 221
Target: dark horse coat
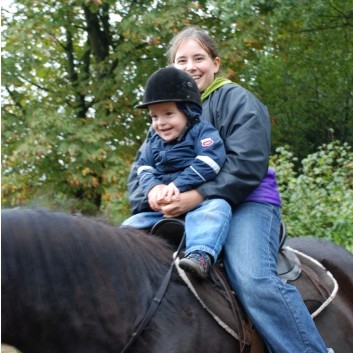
71, 284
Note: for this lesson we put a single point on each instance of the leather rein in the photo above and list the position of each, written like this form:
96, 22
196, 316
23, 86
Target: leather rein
155, 301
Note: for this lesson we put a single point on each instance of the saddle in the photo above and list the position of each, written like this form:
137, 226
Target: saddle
288, 264
316, 286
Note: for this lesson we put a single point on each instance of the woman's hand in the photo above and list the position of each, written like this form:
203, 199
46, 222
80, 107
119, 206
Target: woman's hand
187, 201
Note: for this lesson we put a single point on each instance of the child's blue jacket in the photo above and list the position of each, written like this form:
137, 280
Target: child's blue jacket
197, 158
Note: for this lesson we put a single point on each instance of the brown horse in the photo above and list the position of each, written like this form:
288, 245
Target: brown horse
72, 284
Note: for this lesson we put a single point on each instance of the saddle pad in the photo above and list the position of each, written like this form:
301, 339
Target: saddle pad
214, 300
316, 285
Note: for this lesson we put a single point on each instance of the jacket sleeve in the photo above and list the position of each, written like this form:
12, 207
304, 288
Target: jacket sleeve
210, 156
244, 125
146, 171
137, 199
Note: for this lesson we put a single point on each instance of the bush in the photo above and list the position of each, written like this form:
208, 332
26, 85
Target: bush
318, 198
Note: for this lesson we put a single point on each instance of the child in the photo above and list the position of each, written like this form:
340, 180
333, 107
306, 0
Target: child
182, 153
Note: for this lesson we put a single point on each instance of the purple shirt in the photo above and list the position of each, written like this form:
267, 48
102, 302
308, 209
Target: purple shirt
267, 191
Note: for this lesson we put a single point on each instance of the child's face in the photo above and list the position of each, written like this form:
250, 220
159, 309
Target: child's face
167, 120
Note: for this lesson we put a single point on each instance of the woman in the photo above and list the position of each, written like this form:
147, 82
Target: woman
246, 182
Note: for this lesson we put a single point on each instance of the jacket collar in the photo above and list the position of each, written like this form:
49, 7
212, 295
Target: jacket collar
218, 82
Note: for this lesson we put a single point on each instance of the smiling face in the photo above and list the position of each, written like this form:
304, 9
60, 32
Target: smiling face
195, 60
167, 120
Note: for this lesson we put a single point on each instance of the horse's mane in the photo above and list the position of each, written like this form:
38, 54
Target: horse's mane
71, 262
60, 234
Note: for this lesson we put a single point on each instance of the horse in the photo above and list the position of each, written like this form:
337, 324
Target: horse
75, 284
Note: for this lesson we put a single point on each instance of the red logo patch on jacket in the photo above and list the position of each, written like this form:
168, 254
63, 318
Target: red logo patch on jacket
207, 142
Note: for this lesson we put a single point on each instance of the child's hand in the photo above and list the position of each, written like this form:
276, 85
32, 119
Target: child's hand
161, 195
168, 194
153, 197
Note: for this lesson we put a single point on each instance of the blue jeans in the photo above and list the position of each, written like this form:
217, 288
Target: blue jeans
275, 308
206, 226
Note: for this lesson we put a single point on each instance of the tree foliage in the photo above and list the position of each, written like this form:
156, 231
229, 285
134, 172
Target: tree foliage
306, 76
72, 75
73, 70
317, 200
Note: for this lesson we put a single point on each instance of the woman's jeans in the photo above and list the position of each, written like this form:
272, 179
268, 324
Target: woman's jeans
206, 226
275, 308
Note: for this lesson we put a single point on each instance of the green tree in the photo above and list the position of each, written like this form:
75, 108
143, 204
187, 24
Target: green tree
304, 74
317, 199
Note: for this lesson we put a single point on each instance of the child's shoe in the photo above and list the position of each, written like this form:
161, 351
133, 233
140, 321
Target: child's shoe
197, 262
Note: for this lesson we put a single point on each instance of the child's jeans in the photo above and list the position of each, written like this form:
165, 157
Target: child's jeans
206, 226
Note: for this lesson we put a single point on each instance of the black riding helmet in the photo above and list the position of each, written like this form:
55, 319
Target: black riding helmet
170, 85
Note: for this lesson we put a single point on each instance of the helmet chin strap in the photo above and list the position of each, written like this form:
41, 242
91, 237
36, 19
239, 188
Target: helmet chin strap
184, 132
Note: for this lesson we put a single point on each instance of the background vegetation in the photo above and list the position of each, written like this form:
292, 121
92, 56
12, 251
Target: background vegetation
317, 199
72, 71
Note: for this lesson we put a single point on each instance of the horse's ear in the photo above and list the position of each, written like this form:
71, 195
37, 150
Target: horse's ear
170, 229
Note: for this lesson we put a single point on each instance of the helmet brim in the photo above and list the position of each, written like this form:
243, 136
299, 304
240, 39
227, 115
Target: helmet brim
146, 105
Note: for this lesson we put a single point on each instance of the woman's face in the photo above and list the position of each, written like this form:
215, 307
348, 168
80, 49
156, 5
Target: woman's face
195, 60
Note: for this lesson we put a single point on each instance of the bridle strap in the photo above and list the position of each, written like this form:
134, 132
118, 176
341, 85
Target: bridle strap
155, 301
